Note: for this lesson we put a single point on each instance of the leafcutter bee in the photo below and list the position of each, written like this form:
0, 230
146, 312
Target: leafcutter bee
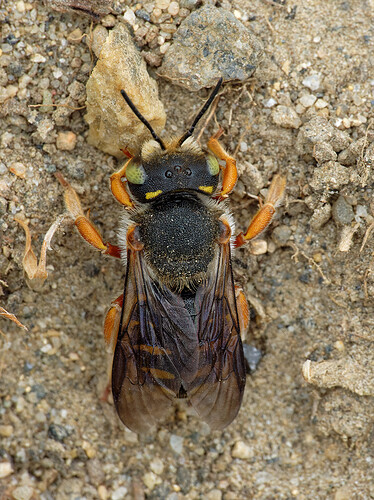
175, 330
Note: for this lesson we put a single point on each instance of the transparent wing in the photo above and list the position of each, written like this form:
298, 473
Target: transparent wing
155, 351
217, 390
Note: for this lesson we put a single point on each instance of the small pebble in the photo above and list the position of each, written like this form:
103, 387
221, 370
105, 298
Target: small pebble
66, 141
20, 6
281, 234
75, 36
313, 82
286, 117
162, 4
317, 257
129, 17
214, 495
241, 450
6, 469
151, 480
339, 345
173, 8
23, 493
331, 175
102, 492
108, 21
18, 169
164, 47
6, 430
323, 151
24, 81
342, 211
119, 493
320, 104
89, 449
259, 247
308, 100
270, 103
344, 493
157, 12
99, 36
252, 356
157, 466
176, 443
38, 58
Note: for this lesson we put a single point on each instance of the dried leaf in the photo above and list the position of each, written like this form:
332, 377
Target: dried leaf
12, 317
37, 272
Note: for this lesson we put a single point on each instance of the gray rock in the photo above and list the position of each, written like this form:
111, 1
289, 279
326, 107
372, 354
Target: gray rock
281, 234
349, 156
323, 151
342, 211
318, 129
331, 175
340, 140
320, 216
209, 44
313, 82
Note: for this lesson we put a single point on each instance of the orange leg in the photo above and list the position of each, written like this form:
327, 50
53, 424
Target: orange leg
118, 186
264, 216
111, 323
243, 310
111, 326
85, 227
230, 174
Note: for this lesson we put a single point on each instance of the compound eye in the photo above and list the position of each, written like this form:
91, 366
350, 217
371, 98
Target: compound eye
213, 165
135, 173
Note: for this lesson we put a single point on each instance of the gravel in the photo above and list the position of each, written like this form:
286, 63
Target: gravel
309, 298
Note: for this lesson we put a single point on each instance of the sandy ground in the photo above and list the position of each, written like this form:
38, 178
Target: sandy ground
310, 299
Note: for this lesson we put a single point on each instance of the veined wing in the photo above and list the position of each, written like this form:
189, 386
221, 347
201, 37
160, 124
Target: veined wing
156, 348
217, 391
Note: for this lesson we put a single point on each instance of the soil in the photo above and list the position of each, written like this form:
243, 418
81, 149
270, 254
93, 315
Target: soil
311, 293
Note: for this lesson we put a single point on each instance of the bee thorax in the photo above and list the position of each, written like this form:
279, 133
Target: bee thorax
180, 236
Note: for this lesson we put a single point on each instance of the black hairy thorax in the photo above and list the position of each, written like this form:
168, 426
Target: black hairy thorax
180, 233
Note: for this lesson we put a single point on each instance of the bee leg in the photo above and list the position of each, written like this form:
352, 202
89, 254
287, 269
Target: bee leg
243, 310
230, 173
118, 186
111, 326
264, 216
85, 227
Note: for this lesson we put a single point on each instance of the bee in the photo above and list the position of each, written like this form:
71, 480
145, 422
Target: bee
175, 331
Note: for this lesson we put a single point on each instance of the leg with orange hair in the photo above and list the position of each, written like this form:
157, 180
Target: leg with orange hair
266, 212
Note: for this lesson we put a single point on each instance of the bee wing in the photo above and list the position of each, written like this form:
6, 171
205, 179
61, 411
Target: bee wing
217, 391
155, 349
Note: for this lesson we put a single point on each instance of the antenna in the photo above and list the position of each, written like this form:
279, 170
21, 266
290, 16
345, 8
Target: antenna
201, 112
142, 119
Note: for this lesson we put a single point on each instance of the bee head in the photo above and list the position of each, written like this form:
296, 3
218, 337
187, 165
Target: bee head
177, 166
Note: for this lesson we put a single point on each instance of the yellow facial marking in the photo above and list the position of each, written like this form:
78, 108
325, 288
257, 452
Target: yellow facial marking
206, 189
152, 194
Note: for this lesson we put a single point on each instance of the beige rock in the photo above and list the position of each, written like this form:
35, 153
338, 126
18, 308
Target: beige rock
112, 123
66, 141
18, 169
